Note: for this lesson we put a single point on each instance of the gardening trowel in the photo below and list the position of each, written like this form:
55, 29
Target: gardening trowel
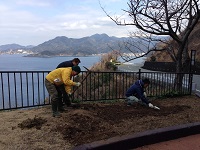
155, 107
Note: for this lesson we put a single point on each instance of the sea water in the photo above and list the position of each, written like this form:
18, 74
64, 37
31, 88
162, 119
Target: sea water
17, 62
18, 92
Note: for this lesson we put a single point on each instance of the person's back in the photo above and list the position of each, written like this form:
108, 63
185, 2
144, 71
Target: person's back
56, 82
136, 89
69, 63
65, 64
136, 92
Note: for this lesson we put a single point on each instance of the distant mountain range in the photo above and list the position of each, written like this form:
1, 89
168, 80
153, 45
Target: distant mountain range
64, 46
14, 47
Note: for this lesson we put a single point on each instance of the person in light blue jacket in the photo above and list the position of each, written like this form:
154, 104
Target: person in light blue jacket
136, 93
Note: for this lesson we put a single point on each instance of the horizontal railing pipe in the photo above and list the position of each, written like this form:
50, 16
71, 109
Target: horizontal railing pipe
24, 89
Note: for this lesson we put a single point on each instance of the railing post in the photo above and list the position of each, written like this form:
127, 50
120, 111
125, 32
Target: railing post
139, 74
192, 64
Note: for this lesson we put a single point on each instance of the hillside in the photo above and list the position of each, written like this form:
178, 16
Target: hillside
64, 46
14, 47
194, 44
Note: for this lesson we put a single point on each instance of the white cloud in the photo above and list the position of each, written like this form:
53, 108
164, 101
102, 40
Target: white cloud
74, 25
39, 3
3, 8
34, 21
104, 19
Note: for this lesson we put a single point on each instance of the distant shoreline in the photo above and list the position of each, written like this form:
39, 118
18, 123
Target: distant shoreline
134, 68
130, 67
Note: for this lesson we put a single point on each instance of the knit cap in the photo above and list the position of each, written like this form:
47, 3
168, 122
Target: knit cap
76, 69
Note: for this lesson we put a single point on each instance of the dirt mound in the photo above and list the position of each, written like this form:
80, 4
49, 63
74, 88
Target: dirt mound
36, 122
99, 121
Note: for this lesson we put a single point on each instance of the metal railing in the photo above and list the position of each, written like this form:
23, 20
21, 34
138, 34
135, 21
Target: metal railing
22, 89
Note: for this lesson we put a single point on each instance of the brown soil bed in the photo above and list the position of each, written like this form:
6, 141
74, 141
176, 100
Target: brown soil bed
37, 129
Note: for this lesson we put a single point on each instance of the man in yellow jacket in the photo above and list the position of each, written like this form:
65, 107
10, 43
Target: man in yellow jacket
54, 82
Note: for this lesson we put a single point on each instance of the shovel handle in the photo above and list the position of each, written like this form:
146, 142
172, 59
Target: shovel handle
87, 74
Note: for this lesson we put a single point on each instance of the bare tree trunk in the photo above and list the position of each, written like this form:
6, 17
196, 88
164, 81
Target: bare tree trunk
186, 58
179, 76
182, 66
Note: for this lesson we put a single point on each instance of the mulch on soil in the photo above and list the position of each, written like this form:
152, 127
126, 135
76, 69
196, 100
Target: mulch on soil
98, 121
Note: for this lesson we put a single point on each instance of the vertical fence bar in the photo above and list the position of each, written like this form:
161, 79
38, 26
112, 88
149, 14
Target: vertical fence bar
33, 91
21, 89
120, 84
102, 92
166, 84
2, 90
86, 87
15, 91
90, 90
116, 85
82, 85
124, 82
113, 85
139, 74
43, 87
94, 87
9, 101
38, 88
171, 81
27, 90
109, 77
161, 82
98, 83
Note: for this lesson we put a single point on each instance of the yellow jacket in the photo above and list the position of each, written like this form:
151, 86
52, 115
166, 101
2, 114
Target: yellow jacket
64, 75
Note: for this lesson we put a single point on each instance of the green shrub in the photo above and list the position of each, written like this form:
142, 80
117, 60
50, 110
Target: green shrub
153, 58
110, 66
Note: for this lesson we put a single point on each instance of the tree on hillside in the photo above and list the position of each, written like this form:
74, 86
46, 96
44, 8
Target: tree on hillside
154, 19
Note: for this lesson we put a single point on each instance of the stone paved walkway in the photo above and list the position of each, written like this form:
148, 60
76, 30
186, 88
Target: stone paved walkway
186, 143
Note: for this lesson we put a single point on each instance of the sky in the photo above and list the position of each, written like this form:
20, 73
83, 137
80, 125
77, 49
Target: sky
32, 22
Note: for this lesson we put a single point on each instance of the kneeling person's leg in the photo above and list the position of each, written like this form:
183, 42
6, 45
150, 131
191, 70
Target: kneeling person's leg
131, 100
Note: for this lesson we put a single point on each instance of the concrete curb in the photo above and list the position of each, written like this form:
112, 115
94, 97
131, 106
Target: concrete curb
143, 138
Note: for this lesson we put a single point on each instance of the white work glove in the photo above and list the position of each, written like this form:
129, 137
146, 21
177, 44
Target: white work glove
151, 105
70, 94
77, 84
57, 82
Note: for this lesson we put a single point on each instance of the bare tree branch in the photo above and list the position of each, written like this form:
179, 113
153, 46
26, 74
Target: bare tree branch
155, 19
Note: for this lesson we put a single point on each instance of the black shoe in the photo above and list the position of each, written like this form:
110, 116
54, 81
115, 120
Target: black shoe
61, 109
56, 114
75, 105
68, 104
